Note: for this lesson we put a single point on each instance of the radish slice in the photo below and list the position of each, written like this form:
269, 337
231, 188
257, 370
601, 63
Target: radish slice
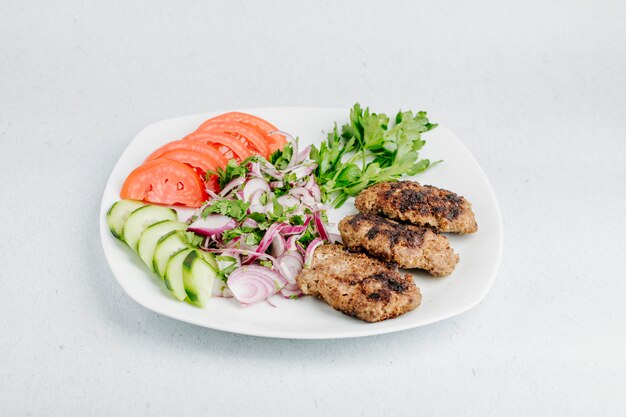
212, 224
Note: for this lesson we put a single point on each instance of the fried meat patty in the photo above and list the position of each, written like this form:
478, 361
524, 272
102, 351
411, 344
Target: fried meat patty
422, 205
358, 285
407, 245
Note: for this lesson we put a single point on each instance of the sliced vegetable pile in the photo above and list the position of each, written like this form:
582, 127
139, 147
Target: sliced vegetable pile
162, 243
176, 172
260, 200
254, 236
264, 224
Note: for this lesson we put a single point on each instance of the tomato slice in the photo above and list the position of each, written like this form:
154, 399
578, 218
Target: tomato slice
228, 145
213, 183
274, 142
195, 159
249, 136
195, 146
163, 181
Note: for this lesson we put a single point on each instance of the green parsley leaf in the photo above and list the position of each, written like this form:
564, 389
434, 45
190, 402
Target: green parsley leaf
369, 150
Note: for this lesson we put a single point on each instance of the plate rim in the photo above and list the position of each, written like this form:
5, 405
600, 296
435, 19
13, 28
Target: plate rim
372, 329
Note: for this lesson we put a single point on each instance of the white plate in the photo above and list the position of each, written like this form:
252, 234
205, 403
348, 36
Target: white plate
309, 318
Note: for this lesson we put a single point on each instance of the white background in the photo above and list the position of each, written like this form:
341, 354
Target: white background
535, 89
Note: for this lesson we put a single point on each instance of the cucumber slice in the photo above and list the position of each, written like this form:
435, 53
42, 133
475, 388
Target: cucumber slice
166, 247
210, 258
174, 273
150, 237
118, 213
143, 217
198, 277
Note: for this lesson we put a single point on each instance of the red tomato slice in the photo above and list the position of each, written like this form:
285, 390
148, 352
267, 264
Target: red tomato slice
163, 181
194, 146
249, 136
213, 183
195, 159
228, 145
274, 142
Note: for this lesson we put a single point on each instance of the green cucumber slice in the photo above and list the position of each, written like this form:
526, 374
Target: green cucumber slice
118, 213
210, 258
174, 273
166, 247
198, 277
150, 237
143, 217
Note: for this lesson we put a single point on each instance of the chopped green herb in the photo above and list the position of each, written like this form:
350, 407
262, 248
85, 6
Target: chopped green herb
233, 208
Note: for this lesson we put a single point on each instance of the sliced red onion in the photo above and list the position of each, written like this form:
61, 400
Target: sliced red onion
278, 246
265, 242
292, 243
232, 184
255, 169
291, 266
212, 194
293, 230
310, 250
253, 283
270, 170
253, 186
291, 291
304, 153
276, 184
255, 203
335, 238
302, 171
280, 132
212, 224
250, 223
312, 187
301, 192
233, 242
294, 143
319, 225
288, 200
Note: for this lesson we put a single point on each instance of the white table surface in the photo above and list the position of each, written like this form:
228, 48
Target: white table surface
535, 89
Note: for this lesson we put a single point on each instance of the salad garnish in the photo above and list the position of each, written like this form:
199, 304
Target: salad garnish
369, 150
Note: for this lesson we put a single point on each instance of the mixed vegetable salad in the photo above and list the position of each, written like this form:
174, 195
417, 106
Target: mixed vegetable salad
260, 200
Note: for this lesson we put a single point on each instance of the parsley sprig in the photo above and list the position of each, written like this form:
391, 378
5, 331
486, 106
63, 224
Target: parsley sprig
369, 150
